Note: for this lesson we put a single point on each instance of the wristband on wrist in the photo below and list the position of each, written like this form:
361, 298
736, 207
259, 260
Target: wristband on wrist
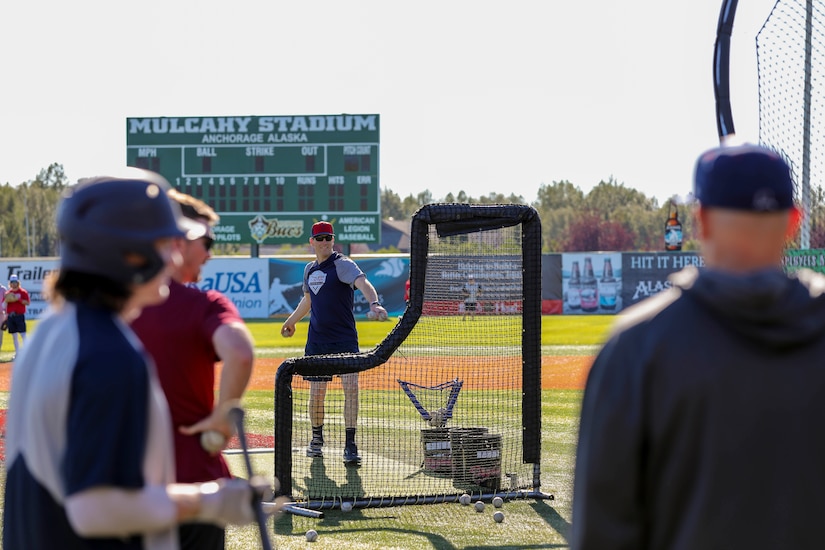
375, 303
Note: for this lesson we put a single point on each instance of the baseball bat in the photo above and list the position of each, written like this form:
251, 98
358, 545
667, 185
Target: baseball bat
236, 416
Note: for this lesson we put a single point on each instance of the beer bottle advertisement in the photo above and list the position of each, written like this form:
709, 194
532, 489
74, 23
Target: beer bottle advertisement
608, 286
590, 288
673, 231
591, 282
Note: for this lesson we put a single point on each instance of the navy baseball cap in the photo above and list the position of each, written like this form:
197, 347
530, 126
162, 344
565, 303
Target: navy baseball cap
13, 278
743, 177
322, 228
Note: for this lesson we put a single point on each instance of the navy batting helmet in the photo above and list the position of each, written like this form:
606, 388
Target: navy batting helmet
104, 219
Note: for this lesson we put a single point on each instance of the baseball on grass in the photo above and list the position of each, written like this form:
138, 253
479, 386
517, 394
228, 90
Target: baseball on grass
312, 535
499, 517
479, 506
346, 507
498, 502
212, 441
464, 499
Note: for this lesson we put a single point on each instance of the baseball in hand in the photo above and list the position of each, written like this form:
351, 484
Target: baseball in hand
380, 315
212, 441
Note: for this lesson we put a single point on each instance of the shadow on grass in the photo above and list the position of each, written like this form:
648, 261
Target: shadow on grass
548, 514
284, 526
552, 517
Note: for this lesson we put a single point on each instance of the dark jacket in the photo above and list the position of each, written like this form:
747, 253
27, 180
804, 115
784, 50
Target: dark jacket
703, 419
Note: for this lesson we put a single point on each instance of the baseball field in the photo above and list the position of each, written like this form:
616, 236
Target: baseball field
568, 346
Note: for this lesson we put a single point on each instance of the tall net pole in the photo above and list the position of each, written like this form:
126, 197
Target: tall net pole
805, 233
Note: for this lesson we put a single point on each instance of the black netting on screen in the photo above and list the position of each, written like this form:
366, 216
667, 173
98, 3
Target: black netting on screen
450, 401
790, 57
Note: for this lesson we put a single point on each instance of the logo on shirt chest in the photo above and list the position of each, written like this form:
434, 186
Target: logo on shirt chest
316, 280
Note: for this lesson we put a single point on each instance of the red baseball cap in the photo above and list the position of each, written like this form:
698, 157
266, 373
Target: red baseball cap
322, 228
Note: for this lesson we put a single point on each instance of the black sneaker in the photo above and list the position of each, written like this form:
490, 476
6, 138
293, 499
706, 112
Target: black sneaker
351, 457
315, 449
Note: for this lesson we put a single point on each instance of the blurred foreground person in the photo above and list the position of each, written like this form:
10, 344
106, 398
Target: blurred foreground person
701, 424
186, 335
89, 453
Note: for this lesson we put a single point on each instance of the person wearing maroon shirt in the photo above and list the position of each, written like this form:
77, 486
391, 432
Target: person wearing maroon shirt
186, 336
16, 299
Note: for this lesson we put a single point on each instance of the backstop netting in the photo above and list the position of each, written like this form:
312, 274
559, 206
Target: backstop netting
790, 50
450, 401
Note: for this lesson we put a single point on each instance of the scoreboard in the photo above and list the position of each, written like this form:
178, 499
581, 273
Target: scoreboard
270, 177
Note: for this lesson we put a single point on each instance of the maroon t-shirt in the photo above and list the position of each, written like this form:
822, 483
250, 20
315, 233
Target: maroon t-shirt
178, 336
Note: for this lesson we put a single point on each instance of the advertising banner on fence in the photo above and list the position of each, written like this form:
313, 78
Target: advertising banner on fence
592, 282
387, 275
795, 260
244, 280
495, 286
646, 273
31, 274
572, 283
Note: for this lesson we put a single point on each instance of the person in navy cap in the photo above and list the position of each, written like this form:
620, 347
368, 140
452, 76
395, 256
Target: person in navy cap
89, 452
701, 422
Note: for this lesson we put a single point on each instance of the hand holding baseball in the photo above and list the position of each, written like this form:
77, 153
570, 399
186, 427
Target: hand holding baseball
215, 430
377, 312
213, 441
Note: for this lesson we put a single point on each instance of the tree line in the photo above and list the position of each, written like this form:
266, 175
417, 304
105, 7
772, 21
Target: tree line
610, 217
27, 214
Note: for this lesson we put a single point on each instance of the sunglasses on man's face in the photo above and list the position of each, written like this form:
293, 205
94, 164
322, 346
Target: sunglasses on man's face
207, 243
323, 238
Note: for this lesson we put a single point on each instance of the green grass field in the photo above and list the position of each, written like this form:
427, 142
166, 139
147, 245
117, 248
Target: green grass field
527, 524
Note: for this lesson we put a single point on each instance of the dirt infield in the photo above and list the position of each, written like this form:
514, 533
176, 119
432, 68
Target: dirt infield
557, 372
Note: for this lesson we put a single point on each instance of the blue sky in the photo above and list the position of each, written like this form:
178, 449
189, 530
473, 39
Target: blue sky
475, 96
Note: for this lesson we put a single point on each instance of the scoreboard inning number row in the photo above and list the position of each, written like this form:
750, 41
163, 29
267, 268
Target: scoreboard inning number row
271, 179
304, 168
